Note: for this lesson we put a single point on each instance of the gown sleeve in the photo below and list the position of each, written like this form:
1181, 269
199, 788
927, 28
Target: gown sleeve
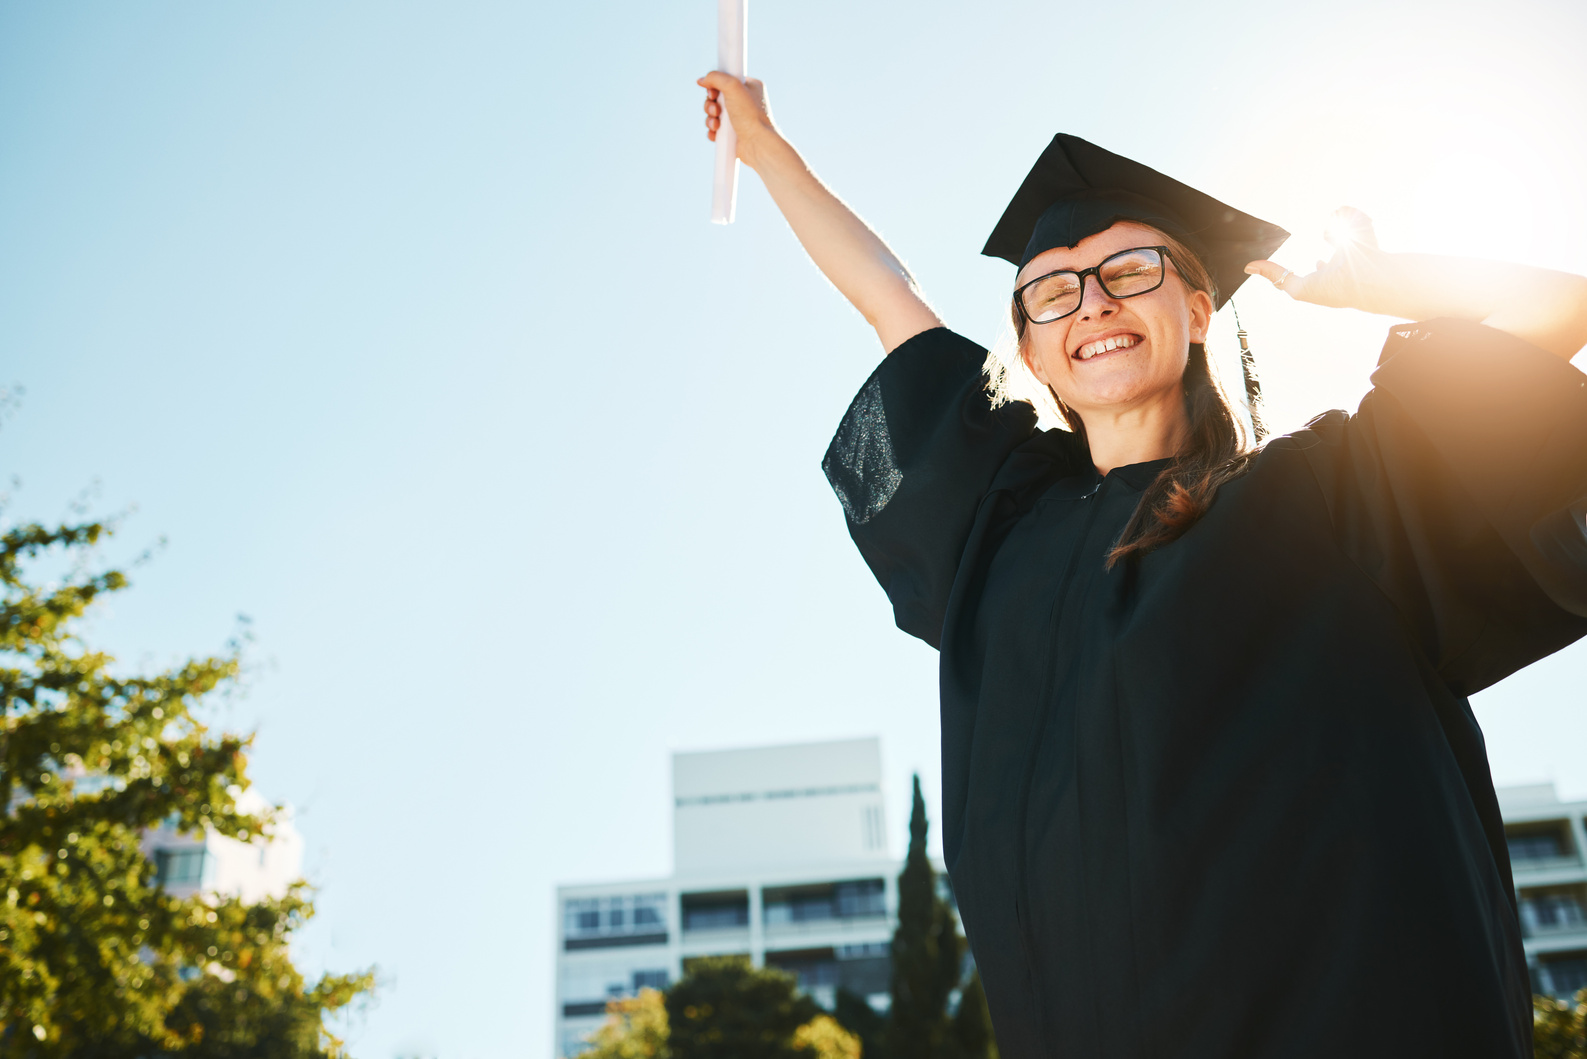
1460, 488
912, 459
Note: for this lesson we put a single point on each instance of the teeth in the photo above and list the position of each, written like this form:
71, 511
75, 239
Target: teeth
1107, 345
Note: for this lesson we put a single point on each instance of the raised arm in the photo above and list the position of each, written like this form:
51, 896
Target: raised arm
1536, 305
843, 246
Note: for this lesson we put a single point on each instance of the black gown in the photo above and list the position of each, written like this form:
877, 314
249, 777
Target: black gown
1230, 800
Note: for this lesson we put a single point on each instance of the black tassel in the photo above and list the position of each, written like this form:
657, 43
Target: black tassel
1253, 384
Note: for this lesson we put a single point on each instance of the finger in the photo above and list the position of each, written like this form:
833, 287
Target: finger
721, 81
1350, 227
1284, 279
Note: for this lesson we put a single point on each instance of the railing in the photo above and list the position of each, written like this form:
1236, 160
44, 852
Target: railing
1550, 930
1537, 864
831, 925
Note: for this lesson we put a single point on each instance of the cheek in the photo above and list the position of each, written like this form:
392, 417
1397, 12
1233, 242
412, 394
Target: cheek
1046, 358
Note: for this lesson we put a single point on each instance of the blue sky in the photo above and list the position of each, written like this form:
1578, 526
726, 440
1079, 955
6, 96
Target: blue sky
404, 325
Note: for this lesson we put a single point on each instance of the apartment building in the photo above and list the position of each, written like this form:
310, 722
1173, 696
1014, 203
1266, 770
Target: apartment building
1548, 854
779, 854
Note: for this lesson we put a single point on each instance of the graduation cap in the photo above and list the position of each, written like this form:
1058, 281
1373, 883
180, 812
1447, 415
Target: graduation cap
1077, 189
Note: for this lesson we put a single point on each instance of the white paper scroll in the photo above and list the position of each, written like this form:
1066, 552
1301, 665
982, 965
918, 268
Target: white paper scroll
732, 56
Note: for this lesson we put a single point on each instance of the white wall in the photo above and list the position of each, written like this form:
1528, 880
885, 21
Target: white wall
766, 807
252, 870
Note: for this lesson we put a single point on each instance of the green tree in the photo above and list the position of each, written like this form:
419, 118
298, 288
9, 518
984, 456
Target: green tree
857, 1016
725, 1009
635, 1028
1559, 1028
972, 1023
96, 959
927, 954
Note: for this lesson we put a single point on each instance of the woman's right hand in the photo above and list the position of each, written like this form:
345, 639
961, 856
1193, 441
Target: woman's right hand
746, 109
843, 247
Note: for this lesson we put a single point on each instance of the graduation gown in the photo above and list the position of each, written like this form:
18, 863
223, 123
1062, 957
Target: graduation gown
1230, 799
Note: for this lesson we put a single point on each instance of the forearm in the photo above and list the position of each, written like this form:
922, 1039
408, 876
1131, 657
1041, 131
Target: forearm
1537, 305
846, 250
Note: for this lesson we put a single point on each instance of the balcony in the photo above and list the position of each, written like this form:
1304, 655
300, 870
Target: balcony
1542, 849
1553, 914
614, 922
835, 909
716, 919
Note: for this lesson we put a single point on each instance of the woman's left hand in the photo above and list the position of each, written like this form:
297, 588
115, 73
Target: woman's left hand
1358, 276
1538, 305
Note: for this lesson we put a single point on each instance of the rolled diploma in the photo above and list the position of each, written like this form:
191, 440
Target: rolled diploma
732, 51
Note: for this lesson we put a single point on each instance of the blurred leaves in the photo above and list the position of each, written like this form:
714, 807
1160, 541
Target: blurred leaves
721, 1009
1559, 1028
635, 1028
96, 959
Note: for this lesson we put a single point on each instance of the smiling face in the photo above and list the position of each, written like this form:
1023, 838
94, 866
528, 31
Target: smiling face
1116, 355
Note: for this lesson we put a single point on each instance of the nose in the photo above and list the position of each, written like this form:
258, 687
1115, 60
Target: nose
1095, 302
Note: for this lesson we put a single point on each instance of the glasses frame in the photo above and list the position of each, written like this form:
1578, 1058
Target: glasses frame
1080, 276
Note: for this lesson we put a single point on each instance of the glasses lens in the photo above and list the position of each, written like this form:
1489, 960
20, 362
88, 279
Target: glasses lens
1132, 272
1052, 297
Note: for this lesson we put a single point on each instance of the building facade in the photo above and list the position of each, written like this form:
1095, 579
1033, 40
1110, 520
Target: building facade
209, 862
779, 854
1548, 854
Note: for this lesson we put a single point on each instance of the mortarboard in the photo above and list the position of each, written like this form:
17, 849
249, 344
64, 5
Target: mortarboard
1078, 189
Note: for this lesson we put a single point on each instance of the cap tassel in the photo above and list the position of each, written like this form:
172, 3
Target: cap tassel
1253, 384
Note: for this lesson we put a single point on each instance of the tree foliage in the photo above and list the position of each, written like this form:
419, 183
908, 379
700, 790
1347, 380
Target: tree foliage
96, 959
824, 1038
928, 954
857, 1016
635, 1028
972, 1023
724, 1009
721, 1009
1559, 1028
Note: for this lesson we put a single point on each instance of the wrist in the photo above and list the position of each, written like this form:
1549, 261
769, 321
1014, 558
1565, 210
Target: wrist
761, 145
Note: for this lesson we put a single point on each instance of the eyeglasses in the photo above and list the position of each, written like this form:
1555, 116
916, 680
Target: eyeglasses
1121, 275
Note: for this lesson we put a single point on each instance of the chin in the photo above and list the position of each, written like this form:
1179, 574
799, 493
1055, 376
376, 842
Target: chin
1125, 390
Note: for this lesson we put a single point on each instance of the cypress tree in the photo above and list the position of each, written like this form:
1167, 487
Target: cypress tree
972, 1023
925, 945
855, 1014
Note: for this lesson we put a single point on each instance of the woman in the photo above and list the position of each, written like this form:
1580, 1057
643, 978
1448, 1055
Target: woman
1211, 783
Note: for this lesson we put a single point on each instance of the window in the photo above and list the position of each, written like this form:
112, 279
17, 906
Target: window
181, 867
1558, 911
853, 899
814, 968
622, 919
1567, 975
716, 911
872, 836
864, 898
1535, 846
583, 916
650, 980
